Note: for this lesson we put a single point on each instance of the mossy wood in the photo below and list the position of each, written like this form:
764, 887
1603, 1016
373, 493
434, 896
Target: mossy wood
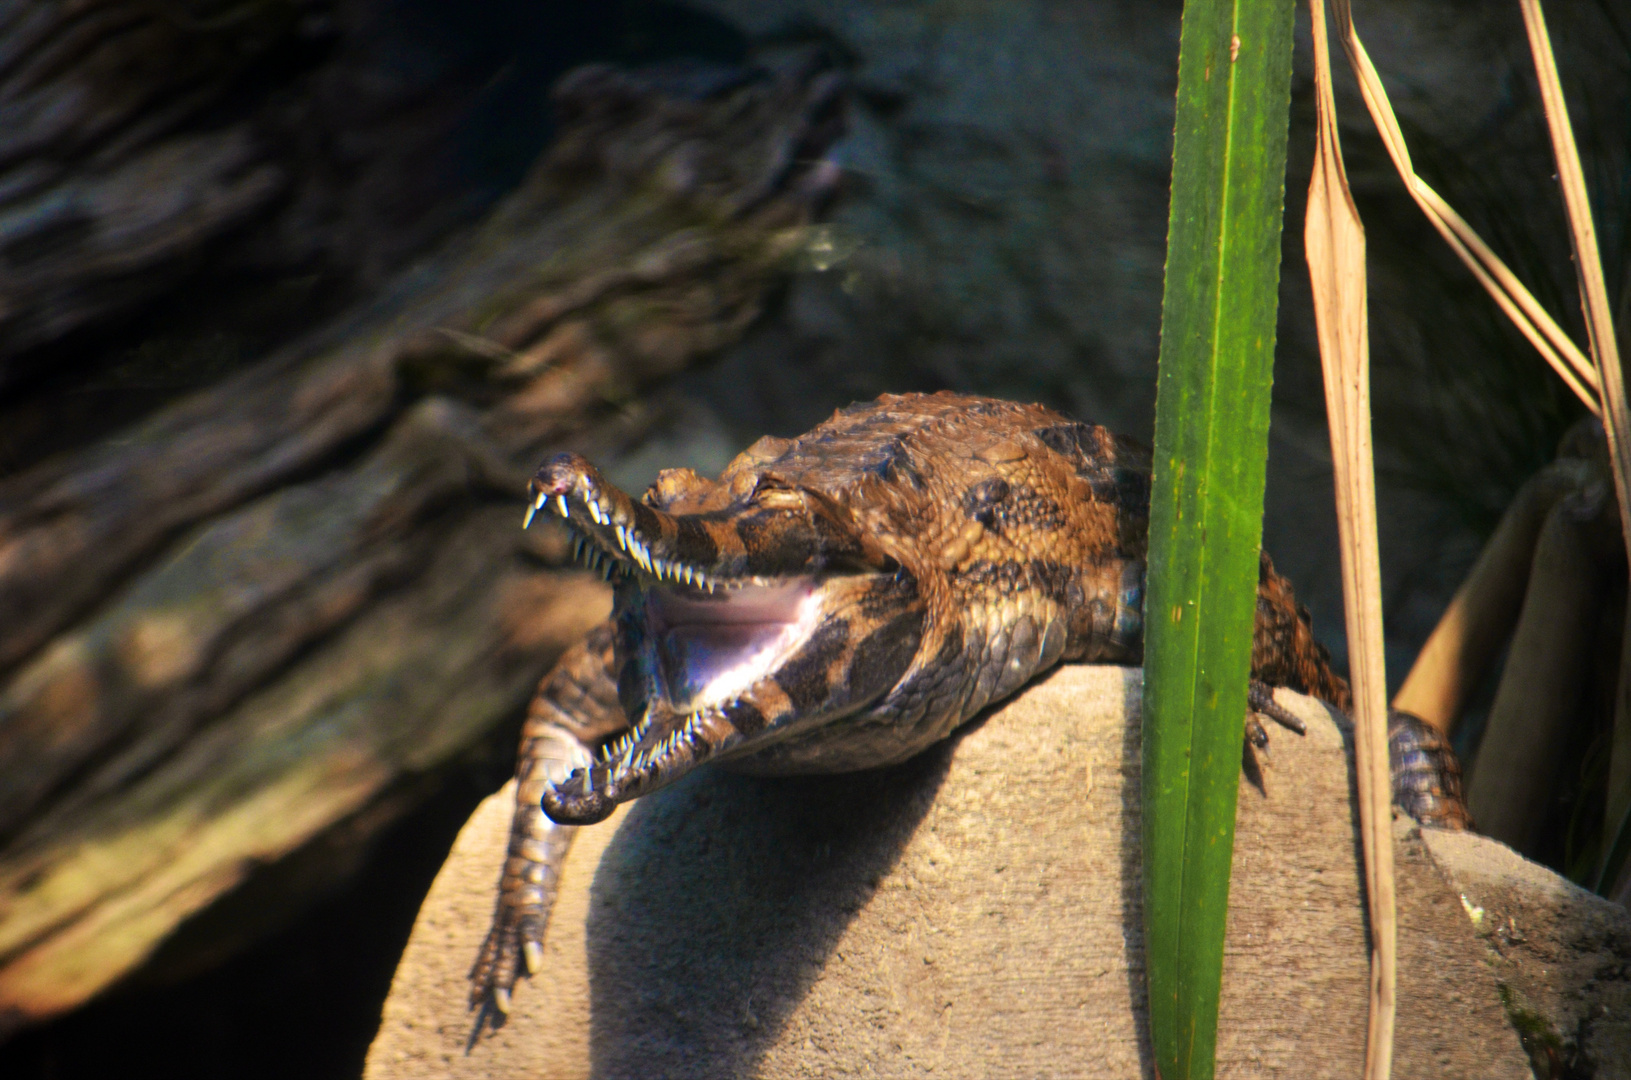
1211, 444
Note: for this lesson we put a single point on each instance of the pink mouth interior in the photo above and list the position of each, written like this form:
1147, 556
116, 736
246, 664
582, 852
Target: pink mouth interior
712, 647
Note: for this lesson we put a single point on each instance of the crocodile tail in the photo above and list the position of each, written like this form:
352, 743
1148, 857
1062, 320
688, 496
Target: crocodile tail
1284, 651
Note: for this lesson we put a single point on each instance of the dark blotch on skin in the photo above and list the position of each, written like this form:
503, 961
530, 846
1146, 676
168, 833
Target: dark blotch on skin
1132, 488
1092, 453
1027, 508
883, 657
1053, 579
893, 462
775, 544
745, 717
806, 678
887, 595
983, 500
1065, 439
646, 523
951, 647
693, 544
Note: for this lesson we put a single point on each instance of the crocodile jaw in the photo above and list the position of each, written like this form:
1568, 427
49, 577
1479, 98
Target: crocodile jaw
708, 649
698, 661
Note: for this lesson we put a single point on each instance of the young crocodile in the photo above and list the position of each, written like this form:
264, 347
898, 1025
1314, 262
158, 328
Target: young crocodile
842, 601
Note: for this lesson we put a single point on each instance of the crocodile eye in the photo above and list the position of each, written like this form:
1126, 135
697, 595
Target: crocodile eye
984, 500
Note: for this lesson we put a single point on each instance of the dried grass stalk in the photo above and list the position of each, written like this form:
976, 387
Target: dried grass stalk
1509, 293
1335, 244
1588, 263
1605, 351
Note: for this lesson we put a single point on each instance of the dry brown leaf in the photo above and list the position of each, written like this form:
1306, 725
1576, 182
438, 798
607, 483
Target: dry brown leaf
1335, 245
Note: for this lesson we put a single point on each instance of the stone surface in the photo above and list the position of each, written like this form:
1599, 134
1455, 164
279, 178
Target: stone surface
1562, 954
972, 913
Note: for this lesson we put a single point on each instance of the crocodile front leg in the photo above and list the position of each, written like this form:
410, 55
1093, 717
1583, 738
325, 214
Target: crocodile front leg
574, 710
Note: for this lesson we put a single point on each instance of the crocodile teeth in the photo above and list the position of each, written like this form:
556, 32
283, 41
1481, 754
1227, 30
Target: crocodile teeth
560, 506
537, 505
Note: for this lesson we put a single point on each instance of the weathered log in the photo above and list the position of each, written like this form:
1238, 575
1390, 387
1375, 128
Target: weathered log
976, 912
267, 605
109, 185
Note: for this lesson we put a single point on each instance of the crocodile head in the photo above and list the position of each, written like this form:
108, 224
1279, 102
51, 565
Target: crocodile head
746, 611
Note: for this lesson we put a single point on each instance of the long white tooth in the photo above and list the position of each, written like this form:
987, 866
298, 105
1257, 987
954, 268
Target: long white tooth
622, 538
594, 512
644, 556
537, 505
560, 505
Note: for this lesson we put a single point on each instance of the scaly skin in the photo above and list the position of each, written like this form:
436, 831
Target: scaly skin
843, 601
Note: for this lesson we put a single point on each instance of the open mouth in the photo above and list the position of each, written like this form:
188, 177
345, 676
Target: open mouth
700, 629
712, 647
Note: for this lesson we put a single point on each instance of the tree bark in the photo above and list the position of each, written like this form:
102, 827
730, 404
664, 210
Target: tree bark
267, 607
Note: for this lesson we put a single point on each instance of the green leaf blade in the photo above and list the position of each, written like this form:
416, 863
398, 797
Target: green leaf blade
1211, 446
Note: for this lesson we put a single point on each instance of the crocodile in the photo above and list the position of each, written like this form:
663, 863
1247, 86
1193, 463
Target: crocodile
844, 600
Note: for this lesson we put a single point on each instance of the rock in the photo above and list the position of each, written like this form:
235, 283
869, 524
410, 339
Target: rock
976, 912
1559, 952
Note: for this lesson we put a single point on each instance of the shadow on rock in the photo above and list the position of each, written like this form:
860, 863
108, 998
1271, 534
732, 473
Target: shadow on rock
697, 958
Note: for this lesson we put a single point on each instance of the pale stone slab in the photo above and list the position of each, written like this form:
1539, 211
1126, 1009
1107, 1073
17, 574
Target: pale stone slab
972, 913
